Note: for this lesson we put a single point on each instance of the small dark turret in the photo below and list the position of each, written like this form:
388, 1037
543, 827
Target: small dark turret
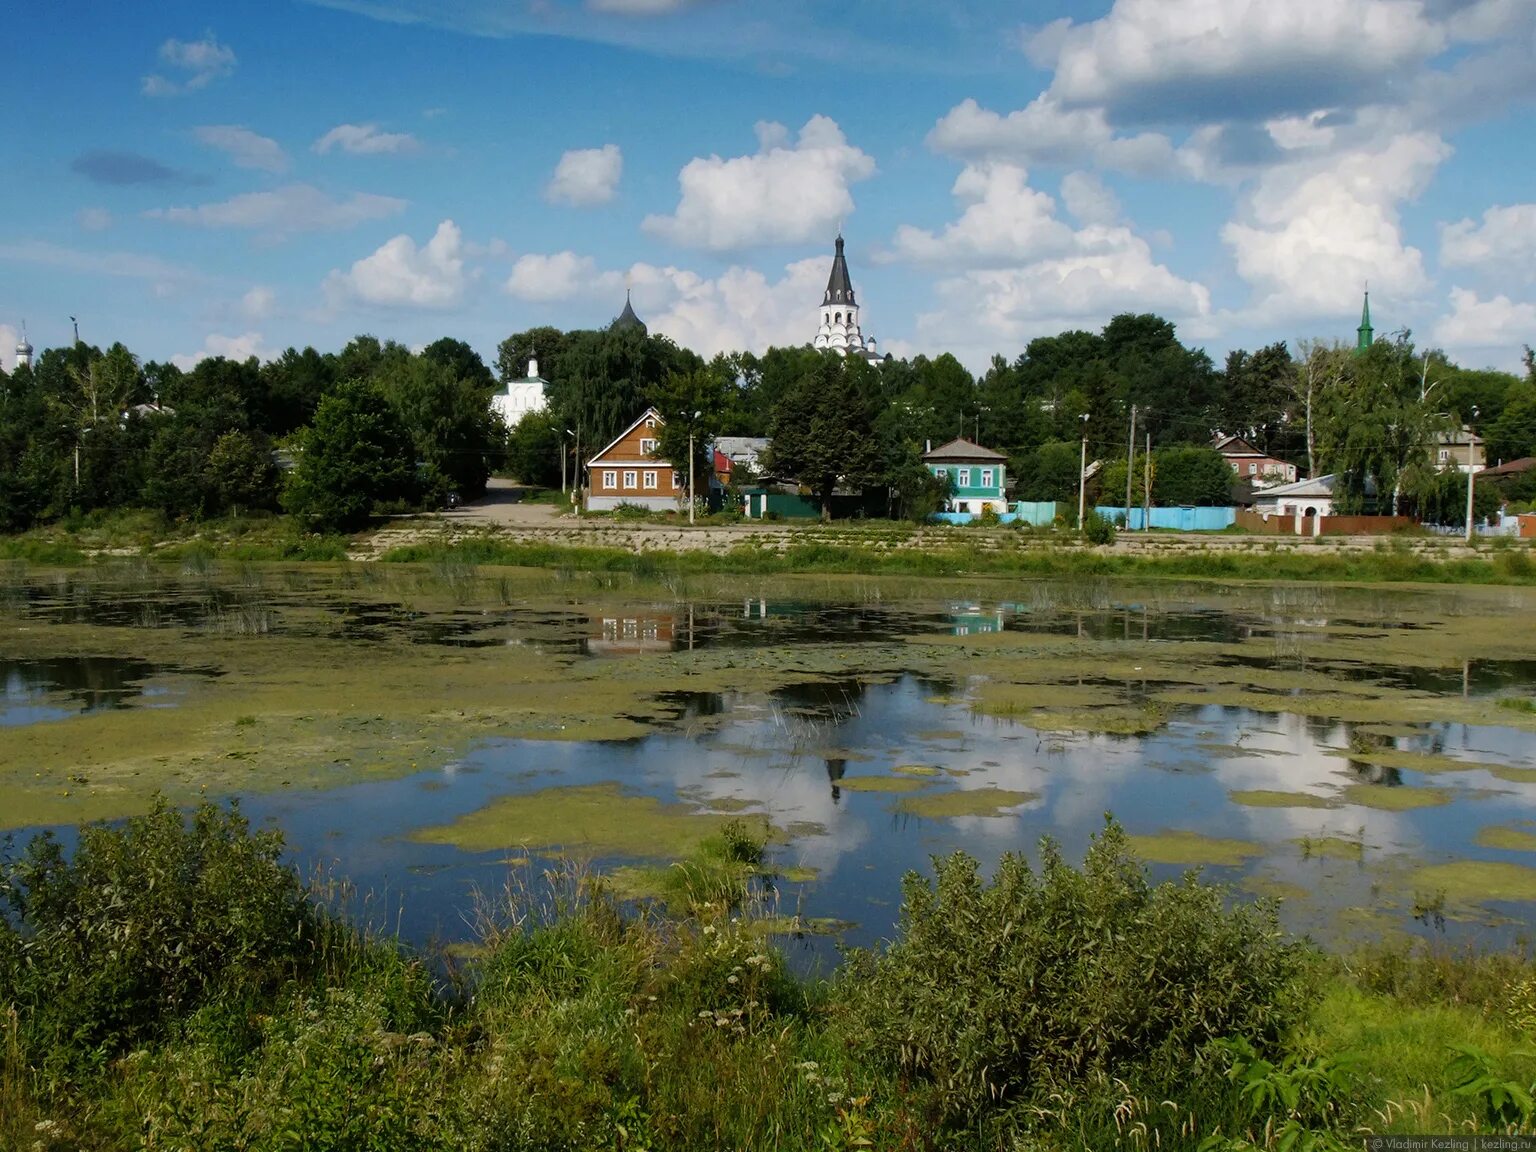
627, 319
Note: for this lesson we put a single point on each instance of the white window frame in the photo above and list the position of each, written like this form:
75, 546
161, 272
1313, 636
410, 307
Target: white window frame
648, 479
963, 478
647, 446
650, 421
986, 478
677, 482
610, 479
631, 479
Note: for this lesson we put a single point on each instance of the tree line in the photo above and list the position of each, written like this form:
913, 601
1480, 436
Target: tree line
335, 437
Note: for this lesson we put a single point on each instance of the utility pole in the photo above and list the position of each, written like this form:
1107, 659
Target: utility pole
1130, 467
1471, 442
1146, 488
1082, 475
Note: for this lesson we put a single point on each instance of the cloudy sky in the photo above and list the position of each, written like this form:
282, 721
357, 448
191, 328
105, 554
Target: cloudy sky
199, 179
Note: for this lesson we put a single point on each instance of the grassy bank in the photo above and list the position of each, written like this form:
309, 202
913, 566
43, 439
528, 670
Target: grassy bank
173, 986
861, 548
1388, 564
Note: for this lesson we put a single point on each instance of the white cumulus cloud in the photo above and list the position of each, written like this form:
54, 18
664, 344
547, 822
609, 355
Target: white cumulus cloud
1217, 59
1505, 242
1047, 132
557, 276
194, 64
1005, 221
401, 275
241, 347
258, 303
586, 176
1088, 199
365, 140
246, 148
285, 211
784, 193
1312, 233
1492, 332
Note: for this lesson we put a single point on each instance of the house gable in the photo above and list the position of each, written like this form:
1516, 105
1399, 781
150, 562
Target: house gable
627, 471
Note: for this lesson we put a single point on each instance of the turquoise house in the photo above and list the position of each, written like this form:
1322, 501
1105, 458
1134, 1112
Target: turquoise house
976, 474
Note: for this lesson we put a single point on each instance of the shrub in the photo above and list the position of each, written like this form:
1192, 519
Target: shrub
1097, 529
143, 924
1041, 982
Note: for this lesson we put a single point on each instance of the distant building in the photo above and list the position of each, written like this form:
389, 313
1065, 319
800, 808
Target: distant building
521, 396
740, 452
1461, 450
23, 350
626, 320
977, 476
1365, 335
839, 327
1258, 468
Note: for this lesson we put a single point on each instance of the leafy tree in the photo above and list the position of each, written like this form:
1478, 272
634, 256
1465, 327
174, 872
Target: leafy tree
356, 454
1050, 472
691, 405
456, 436
240, 473
1191, 476
546, 344
1256, 393
1513, 434
533, 449
462, 361
291, 387
823, 429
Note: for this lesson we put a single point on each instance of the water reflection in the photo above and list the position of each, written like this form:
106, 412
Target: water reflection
56, 687
789, 758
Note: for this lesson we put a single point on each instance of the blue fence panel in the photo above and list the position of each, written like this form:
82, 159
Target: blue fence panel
1182, 519
1038, 513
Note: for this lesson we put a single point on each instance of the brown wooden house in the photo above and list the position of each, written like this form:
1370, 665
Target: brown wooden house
629, 472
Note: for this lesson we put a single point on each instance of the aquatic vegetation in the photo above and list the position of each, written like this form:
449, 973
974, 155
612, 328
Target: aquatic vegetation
1394, 799
1266, 798
882, 784
1475, 881
588, 821
1509, 839
1178, 846
956, 802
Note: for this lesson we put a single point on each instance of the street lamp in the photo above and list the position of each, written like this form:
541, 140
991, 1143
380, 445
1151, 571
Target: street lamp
1471, 441
1082, 471
692, 426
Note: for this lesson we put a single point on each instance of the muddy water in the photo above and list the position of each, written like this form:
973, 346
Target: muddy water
1320, 745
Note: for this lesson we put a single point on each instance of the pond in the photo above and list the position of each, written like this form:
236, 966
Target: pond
1363, 755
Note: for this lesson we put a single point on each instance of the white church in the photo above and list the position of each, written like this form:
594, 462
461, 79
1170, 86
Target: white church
839, 328
521, 396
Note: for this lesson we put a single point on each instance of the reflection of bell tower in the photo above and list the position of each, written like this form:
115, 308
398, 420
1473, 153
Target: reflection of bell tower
836, 770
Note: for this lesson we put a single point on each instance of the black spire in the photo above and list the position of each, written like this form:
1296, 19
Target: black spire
839, 287
627, 318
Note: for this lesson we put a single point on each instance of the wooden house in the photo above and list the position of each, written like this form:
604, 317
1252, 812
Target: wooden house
628, 471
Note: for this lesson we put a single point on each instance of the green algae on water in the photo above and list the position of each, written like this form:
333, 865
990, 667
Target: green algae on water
1267, 798
957, 802
593, 820
1394, 799
1178, 846
1509, 839
1329, 847
882, 784
1476, 881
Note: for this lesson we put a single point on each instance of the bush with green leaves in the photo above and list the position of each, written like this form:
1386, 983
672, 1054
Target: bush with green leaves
1097, 529
142, 924
1046, 980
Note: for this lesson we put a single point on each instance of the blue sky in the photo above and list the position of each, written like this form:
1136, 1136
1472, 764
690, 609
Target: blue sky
199, 179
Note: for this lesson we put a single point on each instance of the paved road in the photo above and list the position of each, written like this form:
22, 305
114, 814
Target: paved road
503, 504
